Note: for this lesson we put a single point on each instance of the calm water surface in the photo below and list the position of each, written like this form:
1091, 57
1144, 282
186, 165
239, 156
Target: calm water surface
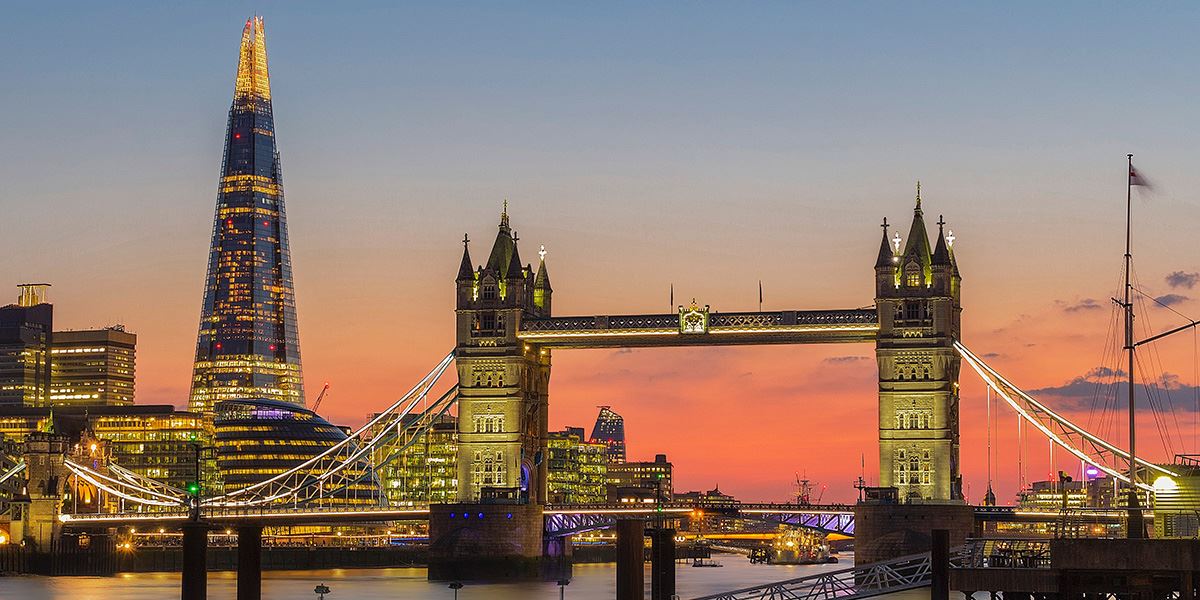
591, 582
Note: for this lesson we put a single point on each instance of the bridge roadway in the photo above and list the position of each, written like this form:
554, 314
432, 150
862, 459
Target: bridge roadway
281, 515
566, 520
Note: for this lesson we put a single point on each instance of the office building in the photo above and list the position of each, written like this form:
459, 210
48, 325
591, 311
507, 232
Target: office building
610, 431
92, 367
258, 439
577, 468
640, 481
248, 346
420, 468
26, 333
155, 441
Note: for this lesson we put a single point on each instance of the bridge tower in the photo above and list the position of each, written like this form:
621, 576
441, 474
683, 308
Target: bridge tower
40, 505
504, 382
918, 296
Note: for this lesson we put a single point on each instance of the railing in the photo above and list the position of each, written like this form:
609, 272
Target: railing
897, 575
1004, 554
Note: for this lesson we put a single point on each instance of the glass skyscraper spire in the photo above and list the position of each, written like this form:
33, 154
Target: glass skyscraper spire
248, 346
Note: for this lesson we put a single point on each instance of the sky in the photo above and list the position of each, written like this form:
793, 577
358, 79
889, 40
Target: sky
707, 146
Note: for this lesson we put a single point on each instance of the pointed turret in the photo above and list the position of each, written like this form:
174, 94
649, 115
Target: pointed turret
542, 281
541, 284
887, 258
917, 247
253, 81
465, 271
502, 249
941, 255
514, 262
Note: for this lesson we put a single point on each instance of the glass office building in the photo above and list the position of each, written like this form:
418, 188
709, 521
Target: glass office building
91, 367
610, 431
258, 439
248, 346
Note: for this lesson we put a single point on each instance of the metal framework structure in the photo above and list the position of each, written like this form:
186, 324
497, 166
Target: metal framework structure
309, 483
658, 330
875, 579
1071, 437
563, 521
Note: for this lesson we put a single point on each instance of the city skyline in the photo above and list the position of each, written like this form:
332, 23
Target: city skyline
621, 236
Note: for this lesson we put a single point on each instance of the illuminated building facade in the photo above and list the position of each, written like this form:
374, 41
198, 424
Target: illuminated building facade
503, 382
577, 468
92, 367
248, 346
258, 439
155, 441
610, 431
26, 333
640, 481
1177, 500
918, 299
426, 471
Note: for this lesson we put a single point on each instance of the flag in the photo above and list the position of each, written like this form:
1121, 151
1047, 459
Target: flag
1136, 178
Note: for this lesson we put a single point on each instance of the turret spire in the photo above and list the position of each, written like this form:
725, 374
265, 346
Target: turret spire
886, 256
542, 280
941, 255
465, 271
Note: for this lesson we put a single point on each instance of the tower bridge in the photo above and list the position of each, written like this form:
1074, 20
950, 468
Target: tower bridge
505, 335
506, 332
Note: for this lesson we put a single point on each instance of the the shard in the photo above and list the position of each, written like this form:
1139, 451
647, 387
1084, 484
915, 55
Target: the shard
248, 346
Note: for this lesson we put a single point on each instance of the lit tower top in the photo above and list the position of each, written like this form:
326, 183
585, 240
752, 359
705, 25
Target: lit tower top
248, 345
253, 82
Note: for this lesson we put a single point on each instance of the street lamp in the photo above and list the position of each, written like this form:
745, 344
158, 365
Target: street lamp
321, 590
562, 587
455, 586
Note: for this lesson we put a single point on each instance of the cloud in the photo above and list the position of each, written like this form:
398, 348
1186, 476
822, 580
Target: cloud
1180, 279
1088, 390
1082, 305
842, 360
991, 355
1172, 299
1103, 373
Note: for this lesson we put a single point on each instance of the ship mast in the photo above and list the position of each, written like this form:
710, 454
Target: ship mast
1135, 528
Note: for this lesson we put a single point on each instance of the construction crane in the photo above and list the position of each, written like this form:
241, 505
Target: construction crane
320, 397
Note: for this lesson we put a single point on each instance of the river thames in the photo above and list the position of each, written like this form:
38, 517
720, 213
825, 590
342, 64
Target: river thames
590, 582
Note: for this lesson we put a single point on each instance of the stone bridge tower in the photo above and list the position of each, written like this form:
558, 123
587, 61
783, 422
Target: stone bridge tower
504, 383
918, 296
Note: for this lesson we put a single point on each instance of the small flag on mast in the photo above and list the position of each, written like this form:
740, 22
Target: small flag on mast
1136, 178
759, 295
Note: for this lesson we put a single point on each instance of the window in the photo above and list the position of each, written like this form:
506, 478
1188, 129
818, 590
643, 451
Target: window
489, 423
488, 469
489, 292
912, 311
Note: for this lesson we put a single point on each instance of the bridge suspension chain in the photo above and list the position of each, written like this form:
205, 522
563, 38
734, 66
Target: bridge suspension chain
310, 479
1074, 439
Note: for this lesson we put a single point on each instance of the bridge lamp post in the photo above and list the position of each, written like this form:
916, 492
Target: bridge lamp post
562, 587
455, 586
